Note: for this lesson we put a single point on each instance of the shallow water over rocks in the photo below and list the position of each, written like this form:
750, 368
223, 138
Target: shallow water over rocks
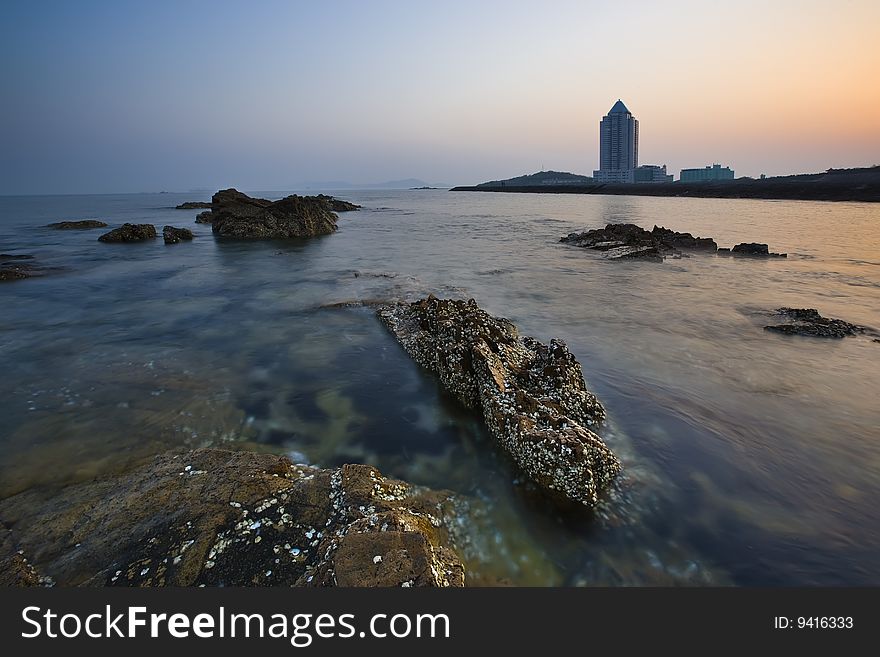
748, 457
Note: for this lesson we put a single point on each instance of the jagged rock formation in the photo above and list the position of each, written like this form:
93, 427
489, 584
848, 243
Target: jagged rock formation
618, 241
205, 217
237, 215
532, 396
130, 233
214, 517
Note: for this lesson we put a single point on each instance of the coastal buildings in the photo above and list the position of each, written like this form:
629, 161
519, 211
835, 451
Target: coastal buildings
618, 146
651, 173
707, 173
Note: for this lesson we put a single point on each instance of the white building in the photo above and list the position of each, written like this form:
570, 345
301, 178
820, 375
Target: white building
618, 146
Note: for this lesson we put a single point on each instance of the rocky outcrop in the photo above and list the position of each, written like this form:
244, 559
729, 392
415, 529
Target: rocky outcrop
808, 321
173, 235
532, 396
206, 217
338, 205
618, 241
237, 215
130, 233
193, 205
85, 224
213, 517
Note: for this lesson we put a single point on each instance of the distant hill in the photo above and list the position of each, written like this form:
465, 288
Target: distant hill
540, 179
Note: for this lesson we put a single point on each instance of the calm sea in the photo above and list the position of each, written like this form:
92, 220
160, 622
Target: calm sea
750, 458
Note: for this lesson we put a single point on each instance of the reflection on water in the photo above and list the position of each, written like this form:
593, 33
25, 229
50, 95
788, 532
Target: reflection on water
749, 458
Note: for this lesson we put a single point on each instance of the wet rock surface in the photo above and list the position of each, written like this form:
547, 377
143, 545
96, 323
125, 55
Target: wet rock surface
130, 233
338, 205
532, 396
85, 224
194, 205
214, 517
618, 241
808, 321
173, 235
237, 215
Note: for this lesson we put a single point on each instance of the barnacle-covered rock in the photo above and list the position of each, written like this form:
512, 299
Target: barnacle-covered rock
214, 517
532, 396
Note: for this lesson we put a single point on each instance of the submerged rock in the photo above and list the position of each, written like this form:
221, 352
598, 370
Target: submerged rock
206, 217
532, 396
193, 205
237, 215
630, 241
16, 267
173, 235
338, 205
753, 249
130, 233
85, 224
808, 321
213, 517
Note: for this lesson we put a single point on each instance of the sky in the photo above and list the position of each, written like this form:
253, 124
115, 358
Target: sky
104, 97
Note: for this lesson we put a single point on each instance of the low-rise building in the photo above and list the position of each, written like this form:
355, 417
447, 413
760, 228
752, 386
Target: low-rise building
651, 173
707, 173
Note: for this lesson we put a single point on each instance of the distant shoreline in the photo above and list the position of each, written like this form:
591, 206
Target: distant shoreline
861, 185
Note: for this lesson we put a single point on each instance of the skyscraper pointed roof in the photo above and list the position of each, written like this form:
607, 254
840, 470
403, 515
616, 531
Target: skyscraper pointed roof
619, 107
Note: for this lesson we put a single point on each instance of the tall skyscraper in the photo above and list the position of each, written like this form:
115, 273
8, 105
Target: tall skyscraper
618, 146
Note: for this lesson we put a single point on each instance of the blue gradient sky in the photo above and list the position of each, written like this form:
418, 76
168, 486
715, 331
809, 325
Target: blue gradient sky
143, 96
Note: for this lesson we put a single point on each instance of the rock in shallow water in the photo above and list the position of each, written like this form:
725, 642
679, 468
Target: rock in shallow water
808, 321
206, 217
193, 205
338, 205
237, 215
215, 517
173, 235
130, 233
85, 224
630, 241
532, 396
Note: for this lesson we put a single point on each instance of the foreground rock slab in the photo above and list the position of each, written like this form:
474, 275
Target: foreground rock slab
173, 235
532, 396
85, 224
237, 215
808, 321
214, 517
130, 233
